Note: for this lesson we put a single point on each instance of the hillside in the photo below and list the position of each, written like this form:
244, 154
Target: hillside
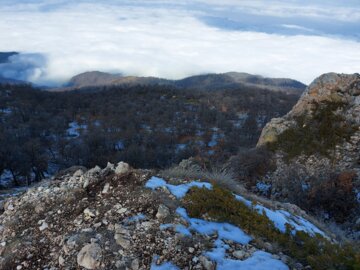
146, 126
316, 147
120, 218
230, 80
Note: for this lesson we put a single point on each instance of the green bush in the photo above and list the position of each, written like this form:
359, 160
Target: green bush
221, 205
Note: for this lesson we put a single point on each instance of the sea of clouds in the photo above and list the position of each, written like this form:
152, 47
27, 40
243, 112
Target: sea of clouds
172, 39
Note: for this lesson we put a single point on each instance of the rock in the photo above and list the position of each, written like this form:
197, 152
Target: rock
43, 226
135, 265
106, 188
95, 170
122, 236
89, 214
163, 212
122, 168
78, 173
122, 240
86, 183
191, 250
61, 260
206, 263
90, 256
9, 207
239, 254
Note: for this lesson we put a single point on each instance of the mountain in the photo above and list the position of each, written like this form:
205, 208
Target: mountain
231, 80
92, 78
122, 218
316, 149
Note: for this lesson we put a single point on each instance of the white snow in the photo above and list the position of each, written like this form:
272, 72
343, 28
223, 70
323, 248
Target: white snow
135, 218
6, 110
119, 145
178, 191
74, 129
258, 261
223, 230
281, 217
6, 177
263, 187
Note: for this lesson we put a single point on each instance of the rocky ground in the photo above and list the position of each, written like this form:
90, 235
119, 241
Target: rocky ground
104, 219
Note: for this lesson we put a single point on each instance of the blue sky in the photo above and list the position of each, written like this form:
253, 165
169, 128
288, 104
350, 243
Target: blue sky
174, 39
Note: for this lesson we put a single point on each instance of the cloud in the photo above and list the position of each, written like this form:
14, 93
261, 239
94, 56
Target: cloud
160, 38
24, 67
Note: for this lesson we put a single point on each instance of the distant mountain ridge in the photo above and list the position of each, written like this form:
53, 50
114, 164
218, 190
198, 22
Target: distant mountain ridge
229, 80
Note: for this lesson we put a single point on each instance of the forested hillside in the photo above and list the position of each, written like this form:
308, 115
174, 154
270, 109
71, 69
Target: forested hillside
147, 126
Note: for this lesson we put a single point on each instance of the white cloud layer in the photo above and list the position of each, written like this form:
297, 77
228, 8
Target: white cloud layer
162, 40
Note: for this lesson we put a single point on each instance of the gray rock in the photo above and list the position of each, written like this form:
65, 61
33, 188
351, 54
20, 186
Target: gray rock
90, 256
239, 254
122, 168
163, 212
206, 263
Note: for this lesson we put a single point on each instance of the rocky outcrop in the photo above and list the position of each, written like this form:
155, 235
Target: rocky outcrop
338, 95
316, 146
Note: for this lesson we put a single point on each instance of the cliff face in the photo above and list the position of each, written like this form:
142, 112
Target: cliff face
316, 149
323, 128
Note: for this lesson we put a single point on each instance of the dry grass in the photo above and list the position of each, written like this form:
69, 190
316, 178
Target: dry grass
223, 178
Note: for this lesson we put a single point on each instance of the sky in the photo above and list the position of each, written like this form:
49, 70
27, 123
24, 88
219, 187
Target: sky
297, 39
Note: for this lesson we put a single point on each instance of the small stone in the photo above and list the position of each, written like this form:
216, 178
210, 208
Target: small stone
61, 260
19, 267
191, 249
239, 254
122, 240
10, 207
86, 183
89, 214
122, 210
90, 256
106, 188
163, 212
43, 226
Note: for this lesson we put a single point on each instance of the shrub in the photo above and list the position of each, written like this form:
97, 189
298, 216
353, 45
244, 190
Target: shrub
319, 132
251, 164
335, 195
318, 252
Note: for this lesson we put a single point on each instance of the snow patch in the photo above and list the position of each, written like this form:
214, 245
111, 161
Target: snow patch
74, 129
223, 230
281, 217
178, 191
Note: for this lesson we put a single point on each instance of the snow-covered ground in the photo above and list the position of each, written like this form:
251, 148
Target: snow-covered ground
74, 129
178, 191
280, 218
259, 260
